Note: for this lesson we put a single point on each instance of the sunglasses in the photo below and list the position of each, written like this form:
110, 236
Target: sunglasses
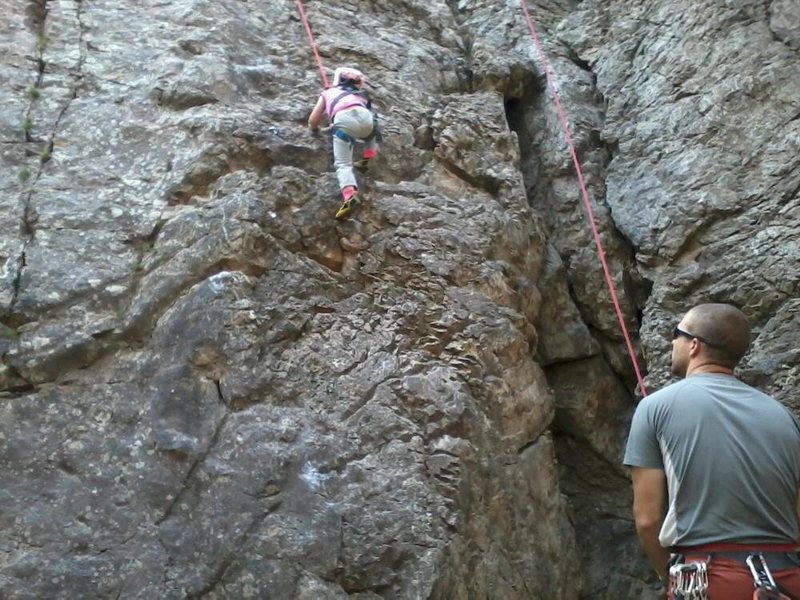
677, 332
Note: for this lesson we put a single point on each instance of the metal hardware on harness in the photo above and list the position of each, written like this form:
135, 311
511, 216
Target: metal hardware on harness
689, 581
762, 577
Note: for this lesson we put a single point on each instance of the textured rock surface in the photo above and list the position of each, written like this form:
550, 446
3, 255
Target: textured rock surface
212, 389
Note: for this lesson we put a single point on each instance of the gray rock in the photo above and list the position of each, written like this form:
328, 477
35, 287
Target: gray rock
211, 388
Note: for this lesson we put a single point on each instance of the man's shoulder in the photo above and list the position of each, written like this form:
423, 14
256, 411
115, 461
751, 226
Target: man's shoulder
698, 384
660, 403
668, 392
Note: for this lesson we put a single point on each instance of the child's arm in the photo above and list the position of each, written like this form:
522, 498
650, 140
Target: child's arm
315, 118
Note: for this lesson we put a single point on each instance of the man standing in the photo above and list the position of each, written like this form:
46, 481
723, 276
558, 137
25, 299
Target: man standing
715, 464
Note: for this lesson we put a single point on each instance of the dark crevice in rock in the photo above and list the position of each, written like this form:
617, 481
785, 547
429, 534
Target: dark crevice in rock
464, 70
19, 390
692, 246
178, 97
364, 400
353, 588
682, 94
14, 319
28, 222
788, 41
214, 165
82, 46
517, 109
599, 496
634, 52
522, 118
62, 359
36, 14
137, 327
77, 77
222, 398
488, 184
218, 576
564, 438
27, 229
792, 194
466, 74
37, 18
757, 151
565, 361
21, 262
47, 149
144, 244
638, 290
192, 469
415, 15
791, 119
583, 65
529, 445
515, 117
612, 150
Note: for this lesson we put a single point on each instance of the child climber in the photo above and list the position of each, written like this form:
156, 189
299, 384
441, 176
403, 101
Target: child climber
348, 109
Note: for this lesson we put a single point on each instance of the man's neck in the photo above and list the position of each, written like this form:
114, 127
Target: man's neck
706, 368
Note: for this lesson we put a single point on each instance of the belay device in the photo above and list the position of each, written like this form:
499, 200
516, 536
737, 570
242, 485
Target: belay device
766, 589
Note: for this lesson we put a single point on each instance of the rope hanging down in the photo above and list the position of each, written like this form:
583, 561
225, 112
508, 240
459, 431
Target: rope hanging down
313, 43
562, 117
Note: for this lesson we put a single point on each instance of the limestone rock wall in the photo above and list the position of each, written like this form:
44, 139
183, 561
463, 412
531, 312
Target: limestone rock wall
211, 389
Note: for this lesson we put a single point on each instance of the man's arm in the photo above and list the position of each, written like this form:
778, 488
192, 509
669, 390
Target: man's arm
315, 118
798, 509
649, 509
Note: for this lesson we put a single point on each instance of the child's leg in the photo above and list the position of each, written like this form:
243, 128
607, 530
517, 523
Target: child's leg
343, 162
370, 149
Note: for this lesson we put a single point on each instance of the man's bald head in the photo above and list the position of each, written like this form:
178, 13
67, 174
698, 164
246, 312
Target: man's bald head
725, 328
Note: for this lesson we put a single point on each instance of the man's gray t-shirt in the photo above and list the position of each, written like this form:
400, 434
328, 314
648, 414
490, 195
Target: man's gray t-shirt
731, 455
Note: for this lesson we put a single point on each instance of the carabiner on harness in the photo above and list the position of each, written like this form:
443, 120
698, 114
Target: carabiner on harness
689, 581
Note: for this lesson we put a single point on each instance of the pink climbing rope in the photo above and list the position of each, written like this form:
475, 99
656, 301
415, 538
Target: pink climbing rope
562, 117
313, 42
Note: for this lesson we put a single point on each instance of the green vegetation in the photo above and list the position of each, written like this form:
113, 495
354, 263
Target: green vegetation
27, 125
41, 44
46, 152
9, 332
24, 174
34, 93
159, 225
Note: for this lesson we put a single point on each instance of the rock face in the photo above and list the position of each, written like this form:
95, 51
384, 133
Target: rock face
212, 389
